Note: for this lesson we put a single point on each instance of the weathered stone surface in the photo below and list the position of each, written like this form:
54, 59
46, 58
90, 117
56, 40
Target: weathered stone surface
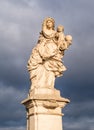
45, 62
44, 104
44, 109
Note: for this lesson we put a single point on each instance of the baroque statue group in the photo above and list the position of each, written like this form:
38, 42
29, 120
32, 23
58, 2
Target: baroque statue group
44, 103
45, 62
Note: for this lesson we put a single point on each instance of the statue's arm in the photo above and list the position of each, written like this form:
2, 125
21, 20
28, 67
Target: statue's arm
47, 51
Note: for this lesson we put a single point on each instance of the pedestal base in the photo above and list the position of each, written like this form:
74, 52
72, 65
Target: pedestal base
44, 109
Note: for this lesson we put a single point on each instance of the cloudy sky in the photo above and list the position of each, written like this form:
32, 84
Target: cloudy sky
20, 24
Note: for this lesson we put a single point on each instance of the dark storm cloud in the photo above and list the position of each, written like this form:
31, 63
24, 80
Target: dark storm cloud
20, 24
15, 38
79, 116
14, 128
80, 124
11, 111
12, 62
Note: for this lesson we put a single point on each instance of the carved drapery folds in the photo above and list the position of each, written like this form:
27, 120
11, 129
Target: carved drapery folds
45, 63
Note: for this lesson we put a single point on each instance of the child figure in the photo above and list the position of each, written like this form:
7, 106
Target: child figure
60, 33
68, 39
60, 38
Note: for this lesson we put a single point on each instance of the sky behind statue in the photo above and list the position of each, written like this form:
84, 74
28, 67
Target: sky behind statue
20, 23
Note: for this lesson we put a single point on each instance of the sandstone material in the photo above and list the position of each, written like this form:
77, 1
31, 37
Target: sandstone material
44, 109
44, 103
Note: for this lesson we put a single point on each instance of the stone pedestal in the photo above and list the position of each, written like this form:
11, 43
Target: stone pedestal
44, 109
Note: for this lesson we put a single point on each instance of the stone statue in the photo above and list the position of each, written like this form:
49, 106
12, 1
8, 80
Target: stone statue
45, 63
44, 102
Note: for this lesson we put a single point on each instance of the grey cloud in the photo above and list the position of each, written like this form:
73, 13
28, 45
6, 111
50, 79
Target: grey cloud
20, 23
12, 113
84, 123
79, 116
13, 51
13, 128
79, 110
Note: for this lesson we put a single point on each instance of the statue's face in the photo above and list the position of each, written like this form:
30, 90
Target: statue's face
49, 24
60, 29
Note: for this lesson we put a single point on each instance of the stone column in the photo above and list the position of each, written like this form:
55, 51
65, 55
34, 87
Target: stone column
44, 109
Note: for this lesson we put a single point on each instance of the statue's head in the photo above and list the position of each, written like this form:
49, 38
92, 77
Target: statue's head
68, 38
60, 28
48, 23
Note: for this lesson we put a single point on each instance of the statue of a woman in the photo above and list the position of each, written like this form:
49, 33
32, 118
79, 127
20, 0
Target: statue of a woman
45, 62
